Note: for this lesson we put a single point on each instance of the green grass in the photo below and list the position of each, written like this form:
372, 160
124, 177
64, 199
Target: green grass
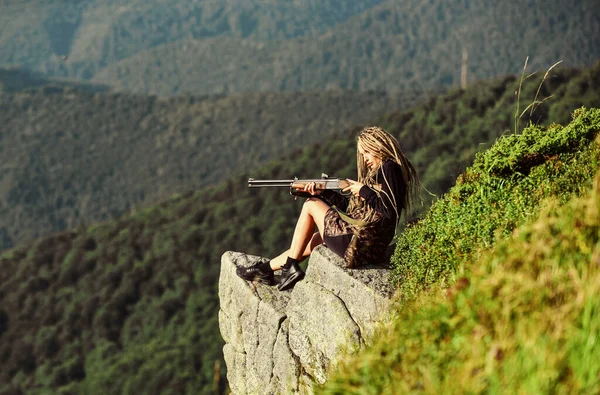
510, 303
501, 190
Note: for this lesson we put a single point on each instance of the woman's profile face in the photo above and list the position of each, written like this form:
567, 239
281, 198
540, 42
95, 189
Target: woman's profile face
370, 159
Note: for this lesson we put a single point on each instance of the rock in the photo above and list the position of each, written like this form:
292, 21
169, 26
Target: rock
320, 327
286, 368
236, 377
365, 291
249, 320
283, 342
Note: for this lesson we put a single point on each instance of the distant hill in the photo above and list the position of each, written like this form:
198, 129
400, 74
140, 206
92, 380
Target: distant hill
13, 79
202, 47
411, 45
16, 79
132, 302
71, 156
37, 34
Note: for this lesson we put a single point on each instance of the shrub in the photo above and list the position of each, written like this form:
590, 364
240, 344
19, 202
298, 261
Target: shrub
502, 190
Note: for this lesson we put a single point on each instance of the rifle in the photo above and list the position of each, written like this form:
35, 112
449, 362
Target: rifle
297, 185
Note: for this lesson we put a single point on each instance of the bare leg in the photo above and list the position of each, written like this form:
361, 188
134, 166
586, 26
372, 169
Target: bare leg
303, 241
278, 262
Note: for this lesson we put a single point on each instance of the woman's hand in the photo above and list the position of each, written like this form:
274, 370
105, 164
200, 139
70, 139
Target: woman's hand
310, 188
354, 187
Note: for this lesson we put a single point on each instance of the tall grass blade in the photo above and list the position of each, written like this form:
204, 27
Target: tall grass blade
540, 86
534, 103
519, 94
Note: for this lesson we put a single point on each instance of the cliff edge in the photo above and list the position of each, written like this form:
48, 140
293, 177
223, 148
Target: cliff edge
282, 342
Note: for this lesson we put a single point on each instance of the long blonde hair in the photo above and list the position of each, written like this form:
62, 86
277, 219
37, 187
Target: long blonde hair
383, 145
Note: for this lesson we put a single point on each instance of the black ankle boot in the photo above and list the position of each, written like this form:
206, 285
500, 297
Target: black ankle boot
260, 272
291, 273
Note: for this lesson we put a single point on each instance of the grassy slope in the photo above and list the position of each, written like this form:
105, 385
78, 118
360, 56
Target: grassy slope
409, 45
523, 314
121, 300
502, 189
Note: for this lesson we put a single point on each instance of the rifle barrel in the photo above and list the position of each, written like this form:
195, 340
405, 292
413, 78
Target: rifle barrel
324, 183
252, 183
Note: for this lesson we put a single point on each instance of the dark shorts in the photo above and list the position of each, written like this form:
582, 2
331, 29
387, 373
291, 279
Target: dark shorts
338, 233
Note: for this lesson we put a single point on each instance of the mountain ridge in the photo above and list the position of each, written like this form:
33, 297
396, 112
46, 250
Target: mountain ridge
387, 48
380, 45
95, 33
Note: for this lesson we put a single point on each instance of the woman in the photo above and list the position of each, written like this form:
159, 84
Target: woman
358, 228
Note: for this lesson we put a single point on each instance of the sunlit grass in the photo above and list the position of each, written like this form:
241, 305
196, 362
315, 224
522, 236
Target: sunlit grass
502, 190
518, 316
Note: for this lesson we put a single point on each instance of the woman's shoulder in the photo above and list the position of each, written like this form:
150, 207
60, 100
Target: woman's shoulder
389, 166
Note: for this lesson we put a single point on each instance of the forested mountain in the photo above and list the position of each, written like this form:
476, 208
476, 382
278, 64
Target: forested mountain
71, 156
410, 45
13, 79
203, 47
37, 34
130, 305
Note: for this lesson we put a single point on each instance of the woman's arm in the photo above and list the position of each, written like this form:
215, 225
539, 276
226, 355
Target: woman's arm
328, 196
390, 190
334, 199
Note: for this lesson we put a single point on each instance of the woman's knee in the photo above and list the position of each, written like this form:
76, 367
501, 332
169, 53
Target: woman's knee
316, 209
310, 203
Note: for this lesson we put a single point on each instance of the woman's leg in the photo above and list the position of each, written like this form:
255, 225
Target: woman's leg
279, 261
303, 240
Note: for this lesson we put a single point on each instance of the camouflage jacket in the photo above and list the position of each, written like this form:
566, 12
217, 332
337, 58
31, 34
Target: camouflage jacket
370, 241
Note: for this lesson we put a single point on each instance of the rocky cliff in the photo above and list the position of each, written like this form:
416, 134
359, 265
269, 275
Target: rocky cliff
283, 342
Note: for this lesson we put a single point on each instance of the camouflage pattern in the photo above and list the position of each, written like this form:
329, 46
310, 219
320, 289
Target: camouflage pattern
369, 243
